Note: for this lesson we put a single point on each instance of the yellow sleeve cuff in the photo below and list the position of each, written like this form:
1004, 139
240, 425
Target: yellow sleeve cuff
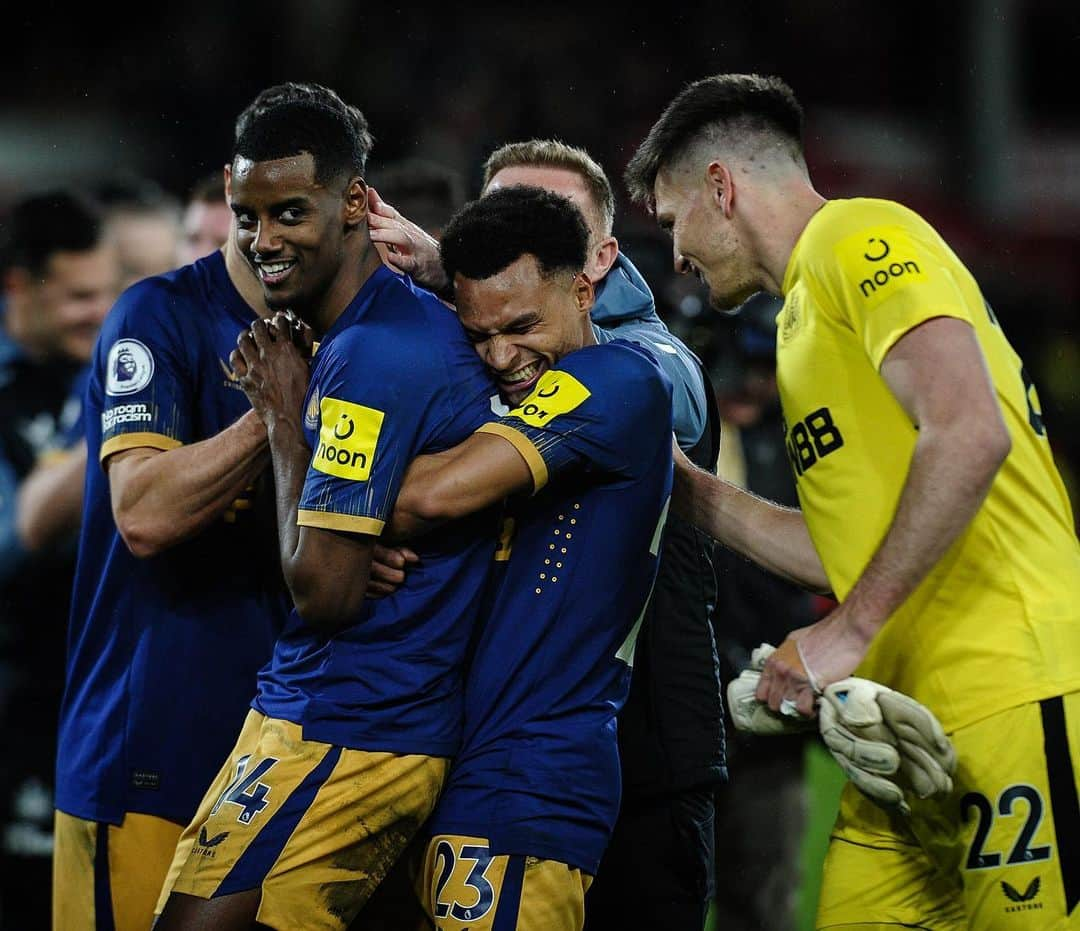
123, 441
523, 445
351, 523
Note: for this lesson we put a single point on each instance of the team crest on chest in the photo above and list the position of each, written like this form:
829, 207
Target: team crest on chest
791, 317
311, 414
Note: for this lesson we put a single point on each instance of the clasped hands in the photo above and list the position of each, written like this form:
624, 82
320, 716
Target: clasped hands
270, 363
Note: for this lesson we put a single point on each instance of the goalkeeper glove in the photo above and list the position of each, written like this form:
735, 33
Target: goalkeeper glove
754, 716
886, 742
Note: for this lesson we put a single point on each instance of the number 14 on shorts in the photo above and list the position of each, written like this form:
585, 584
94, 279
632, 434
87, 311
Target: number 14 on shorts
246, 790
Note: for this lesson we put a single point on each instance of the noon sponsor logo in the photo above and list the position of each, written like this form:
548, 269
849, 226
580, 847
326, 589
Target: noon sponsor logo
555, 393
888, 265
878, 261
348, 436
124, 413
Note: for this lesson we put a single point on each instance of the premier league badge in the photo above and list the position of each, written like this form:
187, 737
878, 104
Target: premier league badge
129, 368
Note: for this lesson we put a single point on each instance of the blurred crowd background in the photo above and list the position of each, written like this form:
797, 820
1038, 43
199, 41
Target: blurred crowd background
960, 110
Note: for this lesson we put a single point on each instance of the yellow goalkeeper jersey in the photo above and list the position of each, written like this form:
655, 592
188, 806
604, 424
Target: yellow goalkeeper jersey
997, 621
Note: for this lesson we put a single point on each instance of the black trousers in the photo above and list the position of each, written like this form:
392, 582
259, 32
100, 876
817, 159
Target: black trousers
659, 867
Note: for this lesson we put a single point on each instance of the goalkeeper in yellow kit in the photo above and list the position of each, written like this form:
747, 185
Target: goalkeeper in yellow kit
930, 506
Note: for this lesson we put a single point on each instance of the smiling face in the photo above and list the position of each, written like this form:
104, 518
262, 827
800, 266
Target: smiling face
705, 240
522, 321
70, 300
290, 228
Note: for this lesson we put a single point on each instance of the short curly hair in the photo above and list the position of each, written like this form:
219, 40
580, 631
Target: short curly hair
490, 234
293, 91
283, 130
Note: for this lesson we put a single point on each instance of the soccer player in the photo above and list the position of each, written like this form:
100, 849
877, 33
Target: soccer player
356, 715
671, 728
584, 457
930, 506
178, 597
58, 283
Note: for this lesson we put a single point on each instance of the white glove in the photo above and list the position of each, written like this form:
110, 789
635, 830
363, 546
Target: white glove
886, 742
755, 716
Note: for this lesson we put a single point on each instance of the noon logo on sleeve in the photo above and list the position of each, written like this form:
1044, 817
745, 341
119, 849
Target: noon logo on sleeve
555, 393
347, 439
130, 367
876, 260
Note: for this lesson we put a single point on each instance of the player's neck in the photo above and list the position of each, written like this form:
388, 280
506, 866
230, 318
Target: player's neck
784, 224
588, 337
352, 276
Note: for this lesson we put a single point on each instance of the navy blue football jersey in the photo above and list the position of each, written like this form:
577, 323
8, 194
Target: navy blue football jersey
538, 773
393, 378
163, 652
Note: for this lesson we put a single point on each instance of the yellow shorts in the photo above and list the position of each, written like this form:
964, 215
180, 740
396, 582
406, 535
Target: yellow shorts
316, 826
1003, 851
465, 888
107, 878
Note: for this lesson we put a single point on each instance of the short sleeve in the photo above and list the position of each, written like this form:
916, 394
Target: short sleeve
891, 276
602, 408
141, 368
368, 419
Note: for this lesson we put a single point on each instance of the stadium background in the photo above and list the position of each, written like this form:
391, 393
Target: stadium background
961, 110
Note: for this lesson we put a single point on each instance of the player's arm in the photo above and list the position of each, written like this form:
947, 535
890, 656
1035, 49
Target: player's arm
771, 535
162, 497
164, 486
440, 487
49, 502
326, 568
938, 374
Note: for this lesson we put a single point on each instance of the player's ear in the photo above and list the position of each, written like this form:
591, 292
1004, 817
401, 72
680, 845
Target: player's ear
604, 256
722, 187
227, 173
584, 292
356, 202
